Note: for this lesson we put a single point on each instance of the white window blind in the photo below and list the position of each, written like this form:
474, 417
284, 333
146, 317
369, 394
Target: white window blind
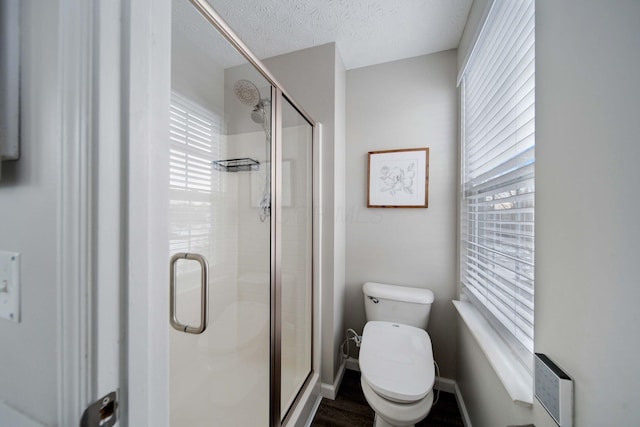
194, 142
498, 156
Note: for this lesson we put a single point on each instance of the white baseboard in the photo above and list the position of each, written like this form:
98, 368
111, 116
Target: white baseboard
445, 384
306, 408
463, 409
330, 391
451, 386
316, 405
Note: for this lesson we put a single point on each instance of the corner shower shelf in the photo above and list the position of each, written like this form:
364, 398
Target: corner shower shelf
236, 165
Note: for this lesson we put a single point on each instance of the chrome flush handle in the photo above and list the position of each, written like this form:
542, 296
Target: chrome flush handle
374, 299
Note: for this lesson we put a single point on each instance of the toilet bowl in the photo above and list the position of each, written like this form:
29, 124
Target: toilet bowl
396, 357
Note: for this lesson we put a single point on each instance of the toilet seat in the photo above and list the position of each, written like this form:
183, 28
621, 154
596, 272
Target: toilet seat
396, 361
393, 413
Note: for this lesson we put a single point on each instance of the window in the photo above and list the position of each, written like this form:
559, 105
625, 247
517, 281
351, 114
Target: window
498, 166
194, 142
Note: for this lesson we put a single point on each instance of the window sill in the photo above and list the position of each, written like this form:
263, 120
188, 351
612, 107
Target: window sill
514, 377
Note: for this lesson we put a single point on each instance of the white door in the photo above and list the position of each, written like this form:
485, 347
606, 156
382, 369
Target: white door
196, 160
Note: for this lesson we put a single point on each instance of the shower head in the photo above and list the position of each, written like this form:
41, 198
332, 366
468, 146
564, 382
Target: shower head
247, 93
258, 115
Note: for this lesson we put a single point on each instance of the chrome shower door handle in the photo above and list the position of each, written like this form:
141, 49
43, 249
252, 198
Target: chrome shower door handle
204, 293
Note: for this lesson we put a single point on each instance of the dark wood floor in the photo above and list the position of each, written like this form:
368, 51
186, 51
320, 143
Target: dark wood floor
350, 409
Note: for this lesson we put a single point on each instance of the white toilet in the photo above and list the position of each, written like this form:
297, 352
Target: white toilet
396, 358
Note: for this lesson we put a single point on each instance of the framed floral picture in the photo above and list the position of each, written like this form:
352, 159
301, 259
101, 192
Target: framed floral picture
398, 178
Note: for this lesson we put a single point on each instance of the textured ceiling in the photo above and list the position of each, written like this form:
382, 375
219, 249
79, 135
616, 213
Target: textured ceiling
366, 32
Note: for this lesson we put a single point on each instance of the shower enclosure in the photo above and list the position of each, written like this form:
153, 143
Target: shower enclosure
240, 232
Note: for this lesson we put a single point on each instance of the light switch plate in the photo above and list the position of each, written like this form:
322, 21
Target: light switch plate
10, 286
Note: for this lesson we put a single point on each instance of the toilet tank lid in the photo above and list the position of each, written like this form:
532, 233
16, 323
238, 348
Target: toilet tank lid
398, 293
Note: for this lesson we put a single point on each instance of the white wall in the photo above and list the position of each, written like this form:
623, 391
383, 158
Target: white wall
587, 235
486, 400
313, 78
404, 104
29, 220
340, 200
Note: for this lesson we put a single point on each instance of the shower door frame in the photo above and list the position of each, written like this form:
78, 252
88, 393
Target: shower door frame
148, 363
279, 96
276, 417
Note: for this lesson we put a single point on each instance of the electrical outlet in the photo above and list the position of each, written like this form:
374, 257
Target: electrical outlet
554, 390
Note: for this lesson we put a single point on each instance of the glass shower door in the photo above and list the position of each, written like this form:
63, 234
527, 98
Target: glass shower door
240, 234
219, 222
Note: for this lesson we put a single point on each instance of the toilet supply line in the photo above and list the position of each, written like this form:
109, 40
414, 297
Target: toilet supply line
355, 338
437, 386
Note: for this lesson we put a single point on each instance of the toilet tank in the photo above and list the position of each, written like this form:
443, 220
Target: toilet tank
400, 304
